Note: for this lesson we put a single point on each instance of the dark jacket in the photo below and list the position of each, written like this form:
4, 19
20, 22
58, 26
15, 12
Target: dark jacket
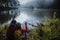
11, 30
10, 33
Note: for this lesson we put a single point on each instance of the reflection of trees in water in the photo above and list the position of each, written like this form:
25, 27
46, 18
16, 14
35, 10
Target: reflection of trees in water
8, 9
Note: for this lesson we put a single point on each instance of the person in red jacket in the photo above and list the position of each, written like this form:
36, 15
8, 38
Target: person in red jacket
24, 31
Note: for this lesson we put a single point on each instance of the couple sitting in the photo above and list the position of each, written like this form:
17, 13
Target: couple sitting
15, 32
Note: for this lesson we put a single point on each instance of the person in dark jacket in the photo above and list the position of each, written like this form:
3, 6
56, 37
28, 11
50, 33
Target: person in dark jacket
10, 31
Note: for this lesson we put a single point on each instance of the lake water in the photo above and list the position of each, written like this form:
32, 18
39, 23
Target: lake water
34, 15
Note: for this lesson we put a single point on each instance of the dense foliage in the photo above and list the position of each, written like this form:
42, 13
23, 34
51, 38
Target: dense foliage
49, 30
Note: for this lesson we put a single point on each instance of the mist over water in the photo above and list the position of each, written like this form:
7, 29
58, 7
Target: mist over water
33, 15
33, 11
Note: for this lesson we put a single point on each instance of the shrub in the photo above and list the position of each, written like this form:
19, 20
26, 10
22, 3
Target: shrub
49, 30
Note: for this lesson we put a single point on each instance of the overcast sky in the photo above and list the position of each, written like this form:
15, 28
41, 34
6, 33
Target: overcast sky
44, 1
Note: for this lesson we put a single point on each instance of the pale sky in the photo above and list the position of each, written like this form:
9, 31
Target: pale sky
23, 1
44, 1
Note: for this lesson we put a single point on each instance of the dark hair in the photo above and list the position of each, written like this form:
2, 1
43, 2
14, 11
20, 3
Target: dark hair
18, 25
13, 22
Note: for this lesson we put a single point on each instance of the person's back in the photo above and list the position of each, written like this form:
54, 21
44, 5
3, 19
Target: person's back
10, 31
18, 32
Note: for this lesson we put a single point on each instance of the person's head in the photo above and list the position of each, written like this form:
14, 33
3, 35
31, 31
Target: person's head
13, 22
18, 25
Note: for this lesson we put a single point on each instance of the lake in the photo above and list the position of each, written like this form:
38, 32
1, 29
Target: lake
33, 15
